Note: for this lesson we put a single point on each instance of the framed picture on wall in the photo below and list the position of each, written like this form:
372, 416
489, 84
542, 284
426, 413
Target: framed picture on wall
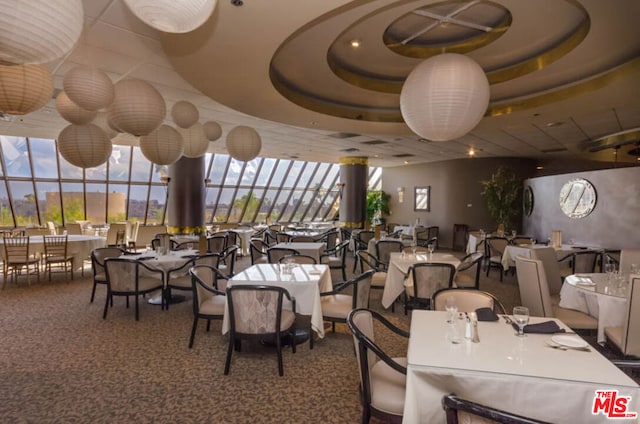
422, 199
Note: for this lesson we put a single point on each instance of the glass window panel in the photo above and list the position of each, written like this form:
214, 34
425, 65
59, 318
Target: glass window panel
224, 204
140, 167
306, 174
265, 172
300, 213
16, 156
252, 208
319, 175
239, 202
73, 204
250, 172
210, 200
119, 163
116, 201
281, 170
157, 201
329, 208
233, 174
283, 206
375, 178
44, 158
49, 200
267, 202
96, 195
293, 174
68, 171
6, 218
218, 167
24, 203
97, 173
138, 202
329, 182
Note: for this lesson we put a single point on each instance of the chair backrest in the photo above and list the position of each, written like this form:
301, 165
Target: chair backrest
631, 329
233, 237
459, 410
549, 258
628, 257
204, 279
190, 244
255, 309
584, 261
367, 261
282, 237
36, 232
469, 261
146, 233
55, 246
298, 259
384, 248
422, 235
228, 257
135, 227
100, 254
429, 277
467, 300
364, 236
361, 289
16, 249
275, 253
302, 239
73, 228
345, 234
534, 290
112, 233
53, 230
122, 274
432, 232
258, 250
330, 238
217, 243
495, 246
522, 240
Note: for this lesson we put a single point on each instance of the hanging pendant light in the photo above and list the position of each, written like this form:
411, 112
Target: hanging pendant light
171, 15
72, 112
24, 88
163, 146
195, 142
137, 108
85, 146
212, 130
88, 87
184, 114
243, 143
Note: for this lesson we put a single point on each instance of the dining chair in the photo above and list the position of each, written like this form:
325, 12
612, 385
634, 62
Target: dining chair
369, 262
494, 249
257, 313
271, 237
208, 300
422, 236
186, 245
298, 259
282, 237
217, 243
522, 240
611, 256
18, 258
329, 238
336, 258
98, 256
534, 294
56, 256
628, 257
425, 278
53, 230
466, 300
384, 248
258, 251
459, 411
275, 253
302, 239
73, 228
227, 263
336, 305
626, 337
433, 232
584, 261
549, 259
124, 279
362, 239
178, 278
468, 271
164, 240
383, 379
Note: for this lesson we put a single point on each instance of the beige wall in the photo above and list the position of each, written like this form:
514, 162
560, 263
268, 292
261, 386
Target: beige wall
455, 192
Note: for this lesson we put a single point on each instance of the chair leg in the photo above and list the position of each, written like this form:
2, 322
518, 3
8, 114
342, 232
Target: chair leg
227, 363
279, 351
137, 308
106, 304
93, 291
193, 331
208, 325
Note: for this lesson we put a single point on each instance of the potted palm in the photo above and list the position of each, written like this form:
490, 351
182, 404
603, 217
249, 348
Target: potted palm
377, 206
502, 194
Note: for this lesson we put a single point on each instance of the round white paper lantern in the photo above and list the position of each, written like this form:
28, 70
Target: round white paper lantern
212, 130
72, 112
85, 146
243, 143
171, 15
444, 97
163, 146
24, 88
38, 31
137, 108
88, 87
101, 121
184, 114
195, 143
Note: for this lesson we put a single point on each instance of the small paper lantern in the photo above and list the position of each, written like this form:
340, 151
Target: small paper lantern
101, 121
163, 146
444, 97
38, 31
243, 143
184, 114
72, 112
85, 146
195, 143
171, 15
137, 108
212, 130
24, 88
88, 87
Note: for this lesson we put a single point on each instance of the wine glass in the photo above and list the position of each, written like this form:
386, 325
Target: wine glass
451, 308
413, 248
431, 247
521, 318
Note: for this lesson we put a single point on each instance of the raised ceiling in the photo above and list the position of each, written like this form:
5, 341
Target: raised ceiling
564, 74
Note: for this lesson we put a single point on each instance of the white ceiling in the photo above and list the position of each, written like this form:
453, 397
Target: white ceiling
229, 59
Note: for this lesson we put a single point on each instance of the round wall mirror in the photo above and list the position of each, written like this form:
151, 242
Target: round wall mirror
527, 201
577, 198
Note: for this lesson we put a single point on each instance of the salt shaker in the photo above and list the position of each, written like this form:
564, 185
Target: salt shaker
467, 329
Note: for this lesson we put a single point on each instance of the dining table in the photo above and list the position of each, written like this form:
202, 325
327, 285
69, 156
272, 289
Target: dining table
245, 239
398, 269
511, 251
304, 282
537, 376
165, 263
599, 295
312, 249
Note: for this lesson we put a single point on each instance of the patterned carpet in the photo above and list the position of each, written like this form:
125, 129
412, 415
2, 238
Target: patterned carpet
60, 362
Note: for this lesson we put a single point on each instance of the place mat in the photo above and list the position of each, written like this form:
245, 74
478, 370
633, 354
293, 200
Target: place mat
546, 327
486, 314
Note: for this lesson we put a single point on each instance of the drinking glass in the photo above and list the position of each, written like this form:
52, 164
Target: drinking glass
513, 234
431, 248
451, 308
413, 248
521, 318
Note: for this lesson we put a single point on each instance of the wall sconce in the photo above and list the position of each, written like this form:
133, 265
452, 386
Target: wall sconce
340, 188
400, 194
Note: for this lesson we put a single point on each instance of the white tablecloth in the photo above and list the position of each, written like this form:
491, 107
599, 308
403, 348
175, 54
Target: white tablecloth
245, 239
311, 249
509, 254
602, 301
165, 263
305, 283
398, 267
519, 374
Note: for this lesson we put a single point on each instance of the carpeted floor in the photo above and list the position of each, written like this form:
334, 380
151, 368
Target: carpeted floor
60, 362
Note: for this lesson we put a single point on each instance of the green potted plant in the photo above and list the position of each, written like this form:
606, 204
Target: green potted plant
377, 206
502, 194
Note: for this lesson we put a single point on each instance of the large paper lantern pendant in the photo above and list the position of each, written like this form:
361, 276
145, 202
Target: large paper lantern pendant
243, 143
138, 108
163, 146
85, 146
24, 88
175, 16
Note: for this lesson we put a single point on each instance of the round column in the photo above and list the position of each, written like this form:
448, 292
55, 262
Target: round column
354, 177
185, 205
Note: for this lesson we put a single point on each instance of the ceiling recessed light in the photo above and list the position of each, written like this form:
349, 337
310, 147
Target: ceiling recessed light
406, 162
355, 43
554, 124
471, 152
539, 167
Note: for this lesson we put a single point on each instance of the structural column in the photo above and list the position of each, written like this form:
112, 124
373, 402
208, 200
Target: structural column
185, 205
354, 177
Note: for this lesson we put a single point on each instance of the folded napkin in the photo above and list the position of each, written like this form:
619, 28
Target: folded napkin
486, 314
547, 327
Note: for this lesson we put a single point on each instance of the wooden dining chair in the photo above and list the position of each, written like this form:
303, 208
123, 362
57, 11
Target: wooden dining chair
459, 411
208, 300
18, 259
427, 278
98, 256
466, 300
56, 256
626, 337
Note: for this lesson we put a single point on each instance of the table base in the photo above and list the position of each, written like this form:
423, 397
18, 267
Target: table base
299, 337
175, 298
